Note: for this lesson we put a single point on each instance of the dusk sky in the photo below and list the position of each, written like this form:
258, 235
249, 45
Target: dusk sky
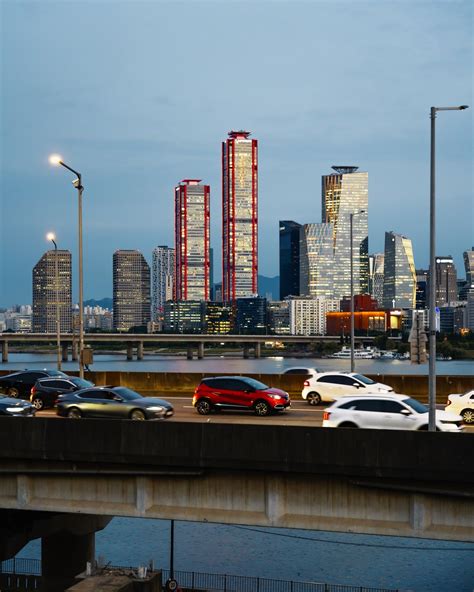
139, 95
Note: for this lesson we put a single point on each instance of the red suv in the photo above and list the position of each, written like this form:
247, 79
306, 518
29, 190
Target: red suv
238, 392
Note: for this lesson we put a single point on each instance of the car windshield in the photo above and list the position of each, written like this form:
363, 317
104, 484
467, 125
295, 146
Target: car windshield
364, 379
127, 394
255, 384
81, 383
416, 405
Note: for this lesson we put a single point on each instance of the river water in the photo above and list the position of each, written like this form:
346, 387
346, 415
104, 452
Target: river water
301, 555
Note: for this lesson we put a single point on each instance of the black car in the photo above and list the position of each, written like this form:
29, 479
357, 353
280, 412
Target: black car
112, 402
15, 408
19, 384
46, 390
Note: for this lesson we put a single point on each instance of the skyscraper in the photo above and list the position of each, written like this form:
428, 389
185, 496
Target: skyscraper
131, 286
316, 260
399, 289
468, 257
162, 280
49, 289
289, 258
192, 217
239, 216
376, 266
346, 192
446, 281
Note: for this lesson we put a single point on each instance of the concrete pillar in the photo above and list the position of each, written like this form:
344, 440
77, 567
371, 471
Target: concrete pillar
63, 556
140, 350
200, 350
189, 355
4, 351
246, 352
64, 351
129, 350
258, 349
75, 351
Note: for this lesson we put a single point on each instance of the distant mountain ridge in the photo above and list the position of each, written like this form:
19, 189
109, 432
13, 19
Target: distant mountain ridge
104, 302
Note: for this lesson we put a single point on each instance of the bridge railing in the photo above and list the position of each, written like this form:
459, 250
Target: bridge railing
24, 574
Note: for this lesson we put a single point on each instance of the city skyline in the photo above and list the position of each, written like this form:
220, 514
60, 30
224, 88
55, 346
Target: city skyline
131, 135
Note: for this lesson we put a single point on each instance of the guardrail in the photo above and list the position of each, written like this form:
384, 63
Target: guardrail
13, 573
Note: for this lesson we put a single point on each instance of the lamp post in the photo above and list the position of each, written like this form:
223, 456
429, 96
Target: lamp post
51, 236
351, 218
56, 160
432, 294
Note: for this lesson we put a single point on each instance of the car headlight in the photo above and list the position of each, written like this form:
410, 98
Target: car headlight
158, 409
275, 396
14, 409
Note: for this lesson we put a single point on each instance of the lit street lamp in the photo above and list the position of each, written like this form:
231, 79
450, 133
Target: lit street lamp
56, 160
51, 236
351, 216
432, 294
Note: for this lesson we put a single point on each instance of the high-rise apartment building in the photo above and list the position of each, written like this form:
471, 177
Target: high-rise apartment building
399, 288
308, 315
446, 281
131, 290
346, 192
376, 267
289, 258
192, 237
162, 280
52, 283
316, 260
239, 216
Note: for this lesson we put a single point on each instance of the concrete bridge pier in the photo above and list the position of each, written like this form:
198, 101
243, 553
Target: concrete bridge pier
258, 350
140, 350
200, 350
129, 350
64, 352
75, 351
246, 352
5, 351
189, 354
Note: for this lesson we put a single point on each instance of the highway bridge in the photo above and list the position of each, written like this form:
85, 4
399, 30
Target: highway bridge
417, 484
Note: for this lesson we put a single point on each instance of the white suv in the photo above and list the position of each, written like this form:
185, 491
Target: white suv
390, 412
329, 386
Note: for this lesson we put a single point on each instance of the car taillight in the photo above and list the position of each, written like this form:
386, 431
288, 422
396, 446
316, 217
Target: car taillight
326, 415
448, 402
33, 390
306, 383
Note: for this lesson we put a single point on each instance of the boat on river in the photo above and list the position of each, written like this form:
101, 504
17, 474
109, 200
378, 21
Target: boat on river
366, 353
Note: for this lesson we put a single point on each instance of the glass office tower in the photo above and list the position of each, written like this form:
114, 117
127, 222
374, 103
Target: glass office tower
344, 192
131, 290
239, 216
49, 288
289, 258
162, 280
446, 281
399, 288
192, 236
376, 267
316, 260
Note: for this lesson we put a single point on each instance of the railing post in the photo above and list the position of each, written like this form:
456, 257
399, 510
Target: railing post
5, 351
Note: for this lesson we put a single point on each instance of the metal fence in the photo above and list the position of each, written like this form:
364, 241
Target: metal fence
189, 580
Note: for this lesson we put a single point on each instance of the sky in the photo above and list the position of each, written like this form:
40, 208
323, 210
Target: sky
138, 95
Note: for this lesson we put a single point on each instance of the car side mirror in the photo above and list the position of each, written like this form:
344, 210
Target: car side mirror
250, 390
356, 384
118, 399
405, 412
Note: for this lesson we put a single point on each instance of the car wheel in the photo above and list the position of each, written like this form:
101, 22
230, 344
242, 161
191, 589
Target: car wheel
262, 408
313, 398
74, 413
203, 407
38, 403
13, 392
348, 424
467, 415
137, 415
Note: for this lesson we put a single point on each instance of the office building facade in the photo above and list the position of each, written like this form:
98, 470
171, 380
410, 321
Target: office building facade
278, 314
162, 280
131, 290
399, 290
346, 192
316, 260
289, 258
251, 316
192, 239
239, 216
183, 316
50, 288
421, 288
376, 267
446, 281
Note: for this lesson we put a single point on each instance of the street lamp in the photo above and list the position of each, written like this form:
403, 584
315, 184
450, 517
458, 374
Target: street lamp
432, 294
51, 236
351, 217
56, 160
